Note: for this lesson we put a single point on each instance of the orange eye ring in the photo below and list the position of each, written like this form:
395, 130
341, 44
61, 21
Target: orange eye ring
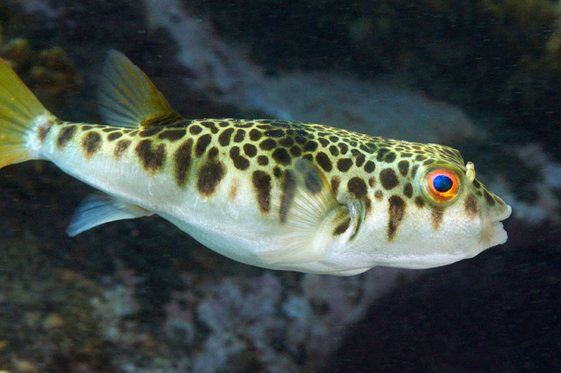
442, 185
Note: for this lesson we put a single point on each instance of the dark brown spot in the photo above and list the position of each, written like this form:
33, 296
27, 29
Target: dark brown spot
267, 144
44, 130
280, 155
274, 133
381, 154
360, 160
476, 184
233, 192
240, 135
288, 188
344, 164
414, 171
367, 203
295, 151
343, 148
323, 160
286, 141
250, 150
310, 146
403, 167
114, 136
210, 175
182, 161
429, 162
471, 206
388, 178
262, 184
488, 198
194, 129
224, 137
65, 135
372, 182
152, 159
396, 213
408, 190
379, 195
262, 160
335, 181
121, 147
277, 172
254, 134
390, 157
369, 166
172, 134
357, 187
240, 162
91, 143
110, 129
300, 139
369, 147
202, 144
437, 214
419, 202
210, 125
342, 228
213, 152
334, 150
243, 124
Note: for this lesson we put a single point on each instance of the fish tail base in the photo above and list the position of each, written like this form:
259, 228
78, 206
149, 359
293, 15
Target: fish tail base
21, 113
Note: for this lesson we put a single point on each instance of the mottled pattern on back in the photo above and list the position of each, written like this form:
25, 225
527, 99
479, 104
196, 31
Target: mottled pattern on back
205, 153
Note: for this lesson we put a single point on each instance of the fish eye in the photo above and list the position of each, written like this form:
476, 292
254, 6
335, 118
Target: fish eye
441, 185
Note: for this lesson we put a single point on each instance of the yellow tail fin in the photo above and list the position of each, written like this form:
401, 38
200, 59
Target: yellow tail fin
19, 110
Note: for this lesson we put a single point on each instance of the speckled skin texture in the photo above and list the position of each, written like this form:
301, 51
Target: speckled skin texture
249, 166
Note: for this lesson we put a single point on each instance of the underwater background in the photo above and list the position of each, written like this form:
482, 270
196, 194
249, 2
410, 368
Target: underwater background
140, 296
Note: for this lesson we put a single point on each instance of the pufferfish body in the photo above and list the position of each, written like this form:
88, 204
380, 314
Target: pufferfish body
274, 194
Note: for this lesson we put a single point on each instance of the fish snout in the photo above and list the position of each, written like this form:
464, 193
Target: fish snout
493, 232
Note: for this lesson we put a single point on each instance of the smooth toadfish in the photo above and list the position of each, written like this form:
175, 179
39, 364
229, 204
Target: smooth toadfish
275, 194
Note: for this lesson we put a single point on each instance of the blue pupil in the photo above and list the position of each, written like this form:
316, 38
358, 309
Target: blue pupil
442, 183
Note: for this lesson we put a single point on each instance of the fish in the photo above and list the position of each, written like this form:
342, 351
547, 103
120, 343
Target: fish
282, 195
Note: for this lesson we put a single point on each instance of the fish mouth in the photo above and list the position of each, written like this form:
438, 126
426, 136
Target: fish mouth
493, 231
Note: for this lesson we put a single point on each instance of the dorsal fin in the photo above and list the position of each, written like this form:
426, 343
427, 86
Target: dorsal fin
128, 98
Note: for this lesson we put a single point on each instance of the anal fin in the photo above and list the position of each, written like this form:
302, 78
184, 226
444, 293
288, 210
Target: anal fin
97, 209
310, 217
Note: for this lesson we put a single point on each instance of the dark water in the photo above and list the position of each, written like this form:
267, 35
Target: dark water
142, 296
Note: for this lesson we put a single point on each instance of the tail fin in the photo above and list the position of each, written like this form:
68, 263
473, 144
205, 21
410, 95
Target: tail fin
19, 111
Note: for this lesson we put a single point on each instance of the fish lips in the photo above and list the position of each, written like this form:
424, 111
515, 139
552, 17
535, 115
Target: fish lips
493, 232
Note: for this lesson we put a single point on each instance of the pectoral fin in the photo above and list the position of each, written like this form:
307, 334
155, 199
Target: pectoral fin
311, 217
97, 209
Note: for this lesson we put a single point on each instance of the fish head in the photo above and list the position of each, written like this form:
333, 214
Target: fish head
450, 215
